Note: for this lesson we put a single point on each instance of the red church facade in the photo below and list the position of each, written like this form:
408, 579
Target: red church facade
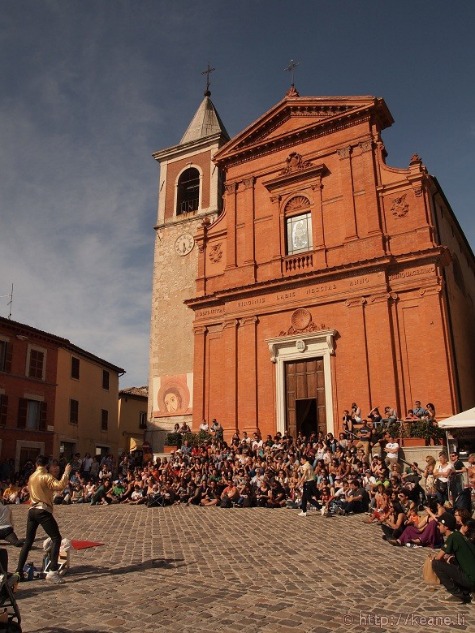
329, 278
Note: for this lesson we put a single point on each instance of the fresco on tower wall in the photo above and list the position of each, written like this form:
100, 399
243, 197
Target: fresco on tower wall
172, 395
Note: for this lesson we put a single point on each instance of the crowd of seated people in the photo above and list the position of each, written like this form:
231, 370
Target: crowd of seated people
359, 472
264, 472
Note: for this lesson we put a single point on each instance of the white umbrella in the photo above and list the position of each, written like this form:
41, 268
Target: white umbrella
463, 420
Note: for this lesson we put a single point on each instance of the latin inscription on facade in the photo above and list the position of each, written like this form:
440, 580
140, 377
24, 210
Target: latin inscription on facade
414, 272
210, 312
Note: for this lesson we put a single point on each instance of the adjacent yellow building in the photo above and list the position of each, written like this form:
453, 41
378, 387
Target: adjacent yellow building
132, 418
86, 416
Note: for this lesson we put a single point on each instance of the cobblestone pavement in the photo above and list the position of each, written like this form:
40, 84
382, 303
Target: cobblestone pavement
208, 570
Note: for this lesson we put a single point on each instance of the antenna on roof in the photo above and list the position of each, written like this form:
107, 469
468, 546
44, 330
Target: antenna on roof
10, 303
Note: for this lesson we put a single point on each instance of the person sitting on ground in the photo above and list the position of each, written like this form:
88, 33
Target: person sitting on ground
379, 504
262, 494
357, 499
459, 578
7, 532
11, 494
211, 496
229, 495
468, 529
426, 533
394, 524
101, 494
277, 496
77, 493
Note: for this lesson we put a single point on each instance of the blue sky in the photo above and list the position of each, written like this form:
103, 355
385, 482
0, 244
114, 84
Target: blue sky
89, 89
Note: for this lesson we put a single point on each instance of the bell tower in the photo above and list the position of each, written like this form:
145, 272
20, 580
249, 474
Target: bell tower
189, 192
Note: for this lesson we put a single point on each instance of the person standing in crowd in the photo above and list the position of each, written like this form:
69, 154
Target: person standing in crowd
307, 481
42, 486
456, 482
443, 471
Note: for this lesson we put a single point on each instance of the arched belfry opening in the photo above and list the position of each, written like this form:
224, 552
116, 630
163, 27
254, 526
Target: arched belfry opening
188, 195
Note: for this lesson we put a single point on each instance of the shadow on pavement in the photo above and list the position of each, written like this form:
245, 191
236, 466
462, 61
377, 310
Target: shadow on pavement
55, 629
84, 572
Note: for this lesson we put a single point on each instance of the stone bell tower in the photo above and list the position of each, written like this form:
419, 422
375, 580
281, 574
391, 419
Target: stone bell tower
190, 192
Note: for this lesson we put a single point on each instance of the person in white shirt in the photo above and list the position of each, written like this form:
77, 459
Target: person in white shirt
442, 472
392, 450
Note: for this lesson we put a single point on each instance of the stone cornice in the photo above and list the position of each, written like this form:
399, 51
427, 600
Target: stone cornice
387, 264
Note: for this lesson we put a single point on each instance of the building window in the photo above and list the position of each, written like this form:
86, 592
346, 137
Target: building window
73, 412
74, 367
31, 415
105, 379
188, 194
143, 420
104, 420
299, 233
36, 361
5, 356
3, 410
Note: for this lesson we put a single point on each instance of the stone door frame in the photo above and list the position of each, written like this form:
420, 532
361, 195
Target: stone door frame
302, 346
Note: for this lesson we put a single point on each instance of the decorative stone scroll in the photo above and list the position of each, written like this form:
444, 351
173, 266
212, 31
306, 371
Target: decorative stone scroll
400, 207
216, 252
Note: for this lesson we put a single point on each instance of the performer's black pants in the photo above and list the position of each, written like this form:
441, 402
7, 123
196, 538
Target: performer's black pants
37, 517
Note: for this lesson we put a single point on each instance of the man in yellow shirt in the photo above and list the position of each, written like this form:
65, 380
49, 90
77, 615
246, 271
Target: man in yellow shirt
307, 482
42, 486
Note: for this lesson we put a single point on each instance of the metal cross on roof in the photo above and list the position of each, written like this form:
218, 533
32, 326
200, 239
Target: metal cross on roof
291, 69
208, 72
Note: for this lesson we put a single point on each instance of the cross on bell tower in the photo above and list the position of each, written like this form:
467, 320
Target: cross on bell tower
208, 72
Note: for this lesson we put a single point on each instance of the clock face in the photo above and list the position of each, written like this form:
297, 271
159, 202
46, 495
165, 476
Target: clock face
184, 244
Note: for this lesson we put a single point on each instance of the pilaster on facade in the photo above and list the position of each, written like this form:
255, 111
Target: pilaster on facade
347, 190
231, 192
230, 329
248, 407
249, 214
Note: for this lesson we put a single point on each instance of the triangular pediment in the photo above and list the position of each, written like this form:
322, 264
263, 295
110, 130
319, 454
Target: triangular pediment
301, 115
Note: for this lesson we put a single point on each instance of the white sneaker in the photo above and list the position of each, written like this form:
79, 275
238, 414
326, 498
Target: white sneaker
54, 577
302, 514
323, 511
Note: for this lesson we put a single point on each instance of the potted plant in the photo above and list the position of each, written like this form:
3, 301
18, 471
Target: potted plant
422, 432
417, 434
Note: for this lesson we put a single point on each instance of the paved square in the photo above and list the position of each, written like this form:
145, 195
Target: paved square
208, 570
